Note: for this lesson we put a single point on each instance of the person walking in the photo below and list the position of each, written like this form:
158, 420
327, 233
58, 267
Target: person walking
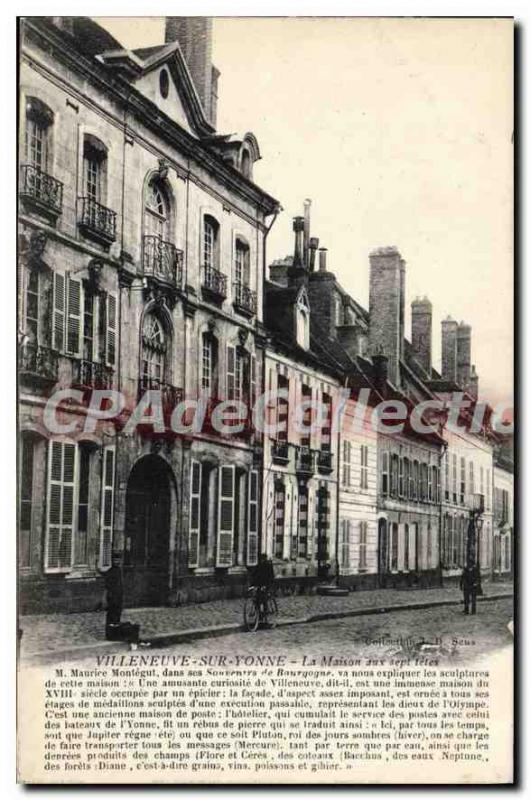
469, 583
115, 629
263, 579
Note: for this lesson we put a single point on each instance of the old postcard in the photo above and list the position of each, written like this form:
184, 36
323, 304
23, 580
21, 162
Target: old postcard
265, 348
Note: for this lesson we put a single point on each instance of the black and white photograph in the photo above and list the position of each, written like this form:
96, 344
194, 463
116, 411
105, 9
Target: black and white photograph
265, 343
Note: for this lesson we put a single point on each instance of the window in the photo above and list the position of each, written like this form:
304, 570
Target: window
406, 477
454, 477
107, 506
488, 490
156, 211
253, 518
94, 169
394, 547
154, 353
462, 480
339, 312
394, 470
346, 463
279, 518
446, 476
429, 546
226, 515
406, 554
345, 543
322, 518
27, 457
282, 410
415, 480
242, 264
62, 470
210, 242
364, 467
32, 307
39, 119
88, 327
363, 538
430, 485
471, 479
164, 83
305, 437
209, 365
424, 482
246, 163
303, 521
384, 474
240, 374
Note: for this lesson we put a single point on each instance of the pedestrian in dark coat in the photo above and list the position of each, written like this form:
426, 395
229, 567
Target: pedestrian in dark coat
114, 590
469, 583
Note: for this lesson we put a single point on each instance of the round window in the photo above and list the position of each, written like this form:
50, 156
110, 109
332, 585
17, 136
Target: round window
164, 83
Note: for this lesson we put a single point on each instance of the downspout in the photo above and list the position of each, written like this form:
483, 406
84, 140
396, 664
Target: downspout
440, 521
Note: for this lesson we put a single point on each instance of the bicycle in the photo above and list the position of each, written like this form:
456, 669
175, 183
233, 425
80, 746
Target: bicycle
253, 613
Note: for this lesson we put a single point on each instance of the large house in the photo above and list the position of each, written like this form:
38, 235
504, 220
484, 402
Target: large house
142, 249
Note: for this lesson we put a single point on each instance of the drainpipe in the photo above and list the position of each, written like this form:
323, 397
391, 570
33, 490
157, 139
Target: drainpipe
440, 521
337, 515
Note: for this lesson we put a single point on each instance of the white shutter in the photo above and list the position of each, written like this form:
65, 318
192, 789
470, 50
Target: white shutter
59, 308
253, 518
225, 523
111, 330
230, 372
310, 523
62, 473
195, 513
107, 506
253, 383
73, 325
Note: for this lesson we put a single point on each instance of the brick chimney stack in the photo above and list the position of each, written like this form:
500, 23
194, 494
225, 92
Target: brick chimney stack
387, 307
473, 382
194, 35
449, 329
463, 355
297, 273
421, 334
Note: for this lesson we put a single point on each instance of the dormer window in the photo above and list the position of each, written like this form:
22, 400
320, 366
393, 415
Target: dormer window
246, 163
302, 322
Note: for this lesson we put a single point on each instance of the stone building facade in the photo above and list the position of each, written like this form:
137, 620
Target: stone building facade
142, 251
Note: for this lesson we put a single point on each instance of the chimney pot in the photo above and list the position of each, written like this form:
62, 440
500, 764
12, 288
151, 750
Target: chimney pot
322, 258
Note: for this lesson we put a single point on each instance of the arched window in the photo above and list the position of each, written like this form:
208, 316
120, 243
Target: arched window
154, 353
242, 263
94, 169
39, 119
246, 163
156, 211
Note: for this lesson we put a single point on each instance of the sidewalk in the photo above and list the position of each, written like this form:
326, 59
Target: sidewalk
60, 635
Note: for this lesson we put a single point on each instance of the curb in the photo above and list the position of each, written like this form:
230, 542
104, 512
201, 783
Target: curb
177, 637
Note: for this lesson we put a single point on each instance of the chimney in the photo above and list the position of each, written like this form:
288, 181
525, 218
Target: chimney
449, 328
313, 247
322, 258
386, 307
463, 355
380, 362
473, 383
194, 35
296, 272
421, 334
307, 228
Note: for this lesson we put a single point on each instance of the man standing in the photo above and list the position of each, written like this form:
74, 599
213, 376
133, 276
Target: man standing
469, 583
263, 579
114, 590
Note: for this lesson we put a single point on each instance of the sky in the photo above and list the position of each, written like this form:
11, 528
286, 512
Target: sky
400, 132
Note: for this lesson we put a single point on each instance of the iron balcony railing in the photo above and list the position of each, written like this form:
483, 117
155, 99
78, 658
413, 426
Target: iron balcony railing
162, 260
325, 461
97, 218
171, 395
280, 451
244, 298
43, 189
39, 362
305, 460
214, 282
93, 375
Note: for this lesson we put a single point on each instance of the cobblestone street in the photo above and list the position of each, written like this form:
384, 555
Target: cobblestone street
47, 634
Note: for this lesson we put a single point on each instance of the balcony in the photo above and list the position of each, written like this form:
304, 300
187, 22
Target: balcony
162, 261
42, 192
97, 221
214, 285
245, 300
305, 461
91, 375
171, 396
325, 462
39, 363
280, 451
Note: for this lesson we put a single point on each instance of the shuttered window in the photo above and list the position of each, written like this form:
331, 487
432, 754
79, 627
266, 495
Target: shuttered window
345, 543
27, 452
107, 506
384, 473
73, 324
303, 521
225, 529
363, 537
195, 513
230, 372
59, 311
346, 463
364, 468
62, 467
111, 330
253, 518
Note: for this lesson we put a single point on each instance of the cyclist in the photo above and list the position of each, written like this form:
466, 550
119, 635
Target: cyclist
263, 580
